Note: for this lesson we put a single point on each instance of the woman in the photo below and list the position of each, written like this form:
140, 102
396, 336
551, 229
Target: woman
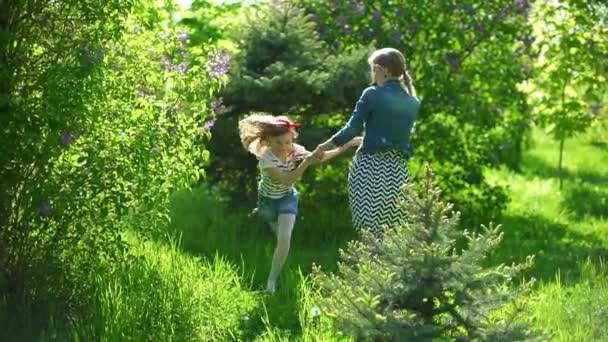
387, 109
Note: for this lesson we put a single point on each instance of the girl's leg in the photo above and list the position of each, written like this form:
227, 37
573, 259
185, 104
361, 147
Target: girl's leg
284, 229
273, 226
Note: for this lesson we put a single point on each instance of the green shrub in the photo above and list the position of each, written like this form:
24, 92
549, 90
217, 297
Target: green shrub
102, 118
415, 283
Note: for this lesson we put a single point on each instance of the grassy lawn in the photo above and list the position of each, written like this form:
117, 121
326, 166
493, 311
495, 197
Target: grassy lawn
566, 229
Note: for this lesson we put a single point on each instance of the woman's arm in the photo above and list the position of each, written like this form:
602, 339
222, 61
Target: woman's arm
327, 155
354, 126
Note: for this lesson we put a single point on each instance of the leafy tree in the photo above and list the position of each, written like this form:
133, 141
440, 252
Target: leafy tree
467, 59
209, 21
415, 284
280, 67
103, 116
570, 70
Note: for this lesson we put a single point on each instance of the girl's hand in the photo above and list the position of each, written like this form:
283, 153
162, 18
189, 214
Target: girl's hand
315, 158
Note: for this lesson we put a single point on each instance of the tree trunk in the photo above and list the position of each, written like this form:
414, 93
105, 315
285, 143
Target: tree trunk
561, 161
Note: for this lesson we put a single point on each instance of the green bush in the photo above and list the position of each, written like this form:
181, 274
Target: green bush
415, 283
280, 67
466, 60
103, 116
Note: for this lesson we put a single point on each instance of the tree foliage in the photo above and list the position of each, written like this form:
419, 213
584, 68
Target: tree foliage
570, 70
415, 284
102, 117
280, 67
466, 59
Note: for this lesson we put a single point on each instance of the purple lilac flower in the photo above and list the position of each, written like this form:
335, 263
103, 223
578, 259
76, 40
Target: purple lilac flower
182, 67
453, 61
360, 8
370, 33
322, 31
396, 37
182, 51
90, 58
183, 35
414, 27
167, 62
376, 15
595, 109
336, 44
218, 64
479, 27
217, 106
469, 9
521, 4
503, 12
209, 125
67, 139
347, 29
340, 21
45, 209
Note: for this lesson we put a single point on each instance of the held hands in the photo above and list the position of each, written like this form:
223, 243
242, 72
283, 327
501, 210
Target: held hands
316, 157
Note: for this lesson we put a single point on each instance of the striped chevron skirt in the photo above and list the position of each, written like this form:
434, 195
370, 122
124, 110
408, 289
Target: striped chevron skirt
374, 183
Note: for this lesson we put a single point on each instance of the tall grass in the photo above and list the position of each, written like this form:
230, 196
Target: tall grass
577, 312
207, 226
159, 294
164, 295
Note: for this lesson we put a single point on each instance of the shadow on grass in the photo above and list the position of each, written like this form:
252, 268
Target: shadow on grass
585, 199
555, 247
536, 166
208, 227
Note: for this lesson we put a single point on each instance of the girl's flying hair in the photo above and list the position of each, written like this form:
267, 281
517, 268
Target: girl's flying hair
255, 129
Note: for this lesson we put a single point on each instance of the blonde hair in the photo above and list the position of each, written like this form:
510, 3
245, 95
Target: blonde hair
255, 129
393, 61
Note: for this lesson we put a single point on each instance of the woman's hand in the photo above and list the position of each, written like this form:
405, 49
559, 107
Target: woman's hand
355, 142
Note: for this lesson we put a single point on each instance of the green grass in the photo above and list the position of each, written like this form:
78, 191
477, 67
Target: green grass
158, 294
575, 312
562, 228
207, 227
567, 231
210, 285
166, 295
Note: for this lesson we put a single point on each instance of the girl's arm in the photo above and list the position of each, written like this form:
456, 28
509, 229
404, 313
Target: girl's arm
288, 178
327, 155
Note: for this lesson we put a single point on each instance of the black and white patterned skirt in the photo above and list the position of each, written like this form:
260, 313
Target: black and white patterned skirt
374, 184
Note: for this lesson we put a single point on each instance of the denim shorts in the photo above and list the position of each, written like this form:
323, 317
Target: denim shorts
269, 209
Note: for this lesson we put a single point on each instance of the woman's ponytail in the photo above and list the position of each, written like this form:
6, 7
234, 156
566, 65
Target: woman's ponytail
409, 83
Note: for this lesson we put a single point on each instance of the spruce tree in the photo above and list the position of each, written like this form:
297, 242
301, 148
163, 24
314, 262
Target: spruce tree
281, 66
416, 284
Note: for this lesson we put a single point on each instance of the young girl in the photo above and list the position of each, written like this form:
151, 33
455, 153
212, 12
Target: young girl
271, 140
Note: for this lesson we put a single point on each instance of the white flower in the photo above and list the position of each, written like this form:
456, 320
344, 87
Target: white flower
315, 311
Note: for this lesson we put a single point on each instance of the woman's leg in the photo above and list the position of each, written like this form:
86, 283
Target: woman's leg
284, 228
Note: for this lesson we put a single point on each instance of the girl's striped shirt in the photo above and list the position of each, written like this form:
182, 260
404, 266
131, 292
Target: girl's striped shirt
266, 186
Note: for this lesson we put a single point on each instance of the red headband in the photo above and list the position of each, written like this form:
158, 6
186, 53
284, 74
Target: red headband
289, 124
